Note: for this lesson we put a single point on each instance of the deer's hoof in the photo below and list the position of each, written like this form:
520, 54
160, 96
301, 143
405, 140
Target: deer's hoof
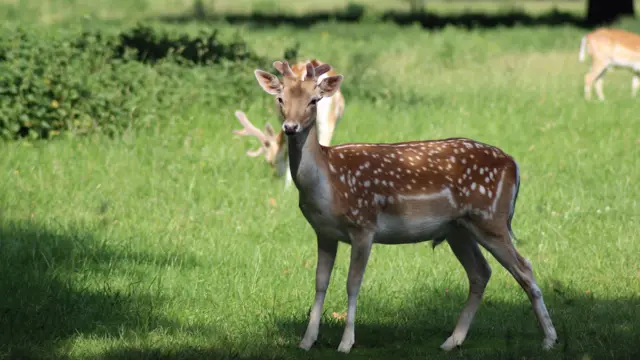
549, 343
450, 344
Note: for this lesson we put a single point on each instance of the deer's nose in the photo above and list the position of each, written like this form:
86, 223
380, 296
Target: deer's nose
290, 128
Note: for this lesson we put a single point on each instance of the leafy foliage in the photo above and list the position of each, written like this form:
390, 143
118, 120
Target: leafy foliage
95, 81
206, 49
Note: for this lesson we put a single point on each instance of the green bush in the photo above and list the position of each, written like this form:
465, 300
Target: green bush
95, 81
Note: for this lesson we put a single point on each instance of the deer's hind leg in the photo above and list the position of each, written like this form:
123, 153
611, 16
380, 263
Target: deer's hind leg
495, 236
598, 70
466, 249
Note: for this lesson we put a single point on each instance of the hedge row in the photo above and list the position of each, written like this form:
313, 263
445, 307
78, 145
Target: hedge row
96, 81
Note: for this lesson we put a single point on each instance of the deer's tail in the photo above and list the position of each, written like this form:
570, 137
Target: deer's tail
583, 48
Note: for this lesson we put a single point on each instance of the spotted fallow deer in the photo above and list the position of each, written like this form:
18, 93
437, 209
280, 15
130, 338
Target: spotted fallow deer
456, 189
610, 48
329, 114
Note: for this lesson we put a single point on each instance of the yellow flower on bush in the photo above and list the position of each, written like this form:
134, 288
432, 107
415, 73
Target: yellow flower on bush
54, 104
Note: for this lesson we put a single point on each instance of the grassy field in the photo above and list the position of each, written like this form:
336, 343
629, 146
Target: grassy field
170, 243
53, 11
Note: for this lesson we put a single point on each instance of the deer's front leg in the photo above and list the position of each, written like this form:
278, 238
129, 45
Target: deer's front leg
361, 242
326, 257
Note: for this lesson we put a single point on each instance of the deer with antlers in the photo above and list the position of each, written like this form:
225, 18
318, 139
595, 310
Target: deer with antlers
456, 190
329, 114
610, 48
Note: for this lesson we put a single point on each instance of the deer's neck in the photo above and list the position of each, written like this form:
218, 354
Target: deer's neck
308, 163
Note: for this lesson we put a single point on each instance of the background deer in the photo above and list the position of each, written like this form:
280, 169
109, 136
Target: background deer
330, 112
457, 189
610, 48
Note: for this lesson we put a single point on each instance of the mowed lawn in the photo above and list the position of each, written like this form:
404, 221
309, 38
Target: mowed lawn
171, 243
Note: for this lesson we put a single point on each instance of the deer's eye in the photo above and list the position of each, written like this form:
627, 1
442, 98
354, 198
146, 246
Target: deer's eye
267, 144
313, 102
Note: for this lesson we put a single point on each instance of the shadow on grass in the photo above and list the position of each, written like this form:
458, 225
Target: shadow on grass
351, 14
190, 353
49, 292
479, 20
588, 327
355, 13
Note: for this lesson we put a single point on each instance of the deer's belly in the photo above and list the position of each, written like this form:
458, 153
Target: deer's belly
631, 61
394, 229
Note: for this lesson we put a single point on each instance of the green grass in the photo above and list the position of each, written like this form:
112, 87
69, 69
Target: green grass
169, 242
55, 11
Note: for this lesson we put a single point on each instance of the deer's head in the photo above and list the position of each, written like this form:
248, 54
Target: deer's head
297, 98
271, 144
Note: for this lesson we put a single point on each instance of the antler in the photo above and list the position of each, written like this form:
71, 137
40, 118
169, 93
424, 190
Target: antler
284, 68
319, 70
316, 72
311, 72
250, 130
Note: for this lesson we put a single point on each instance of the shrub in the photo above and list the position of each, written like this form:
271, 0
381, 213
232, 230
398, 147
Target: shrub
94, 81
150, 46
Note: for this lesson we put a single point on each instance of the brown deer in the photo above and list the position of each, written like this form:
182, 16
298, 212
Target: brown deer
456, 190
610, 48
330, 112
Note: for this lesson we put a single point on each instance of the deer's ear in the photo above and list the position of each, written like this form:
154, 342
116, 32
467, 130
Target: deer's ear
268, 82
329, 85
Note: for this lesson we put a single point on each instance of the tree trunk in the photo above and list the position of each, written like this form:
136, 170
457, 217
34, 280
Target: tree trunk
600, 12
